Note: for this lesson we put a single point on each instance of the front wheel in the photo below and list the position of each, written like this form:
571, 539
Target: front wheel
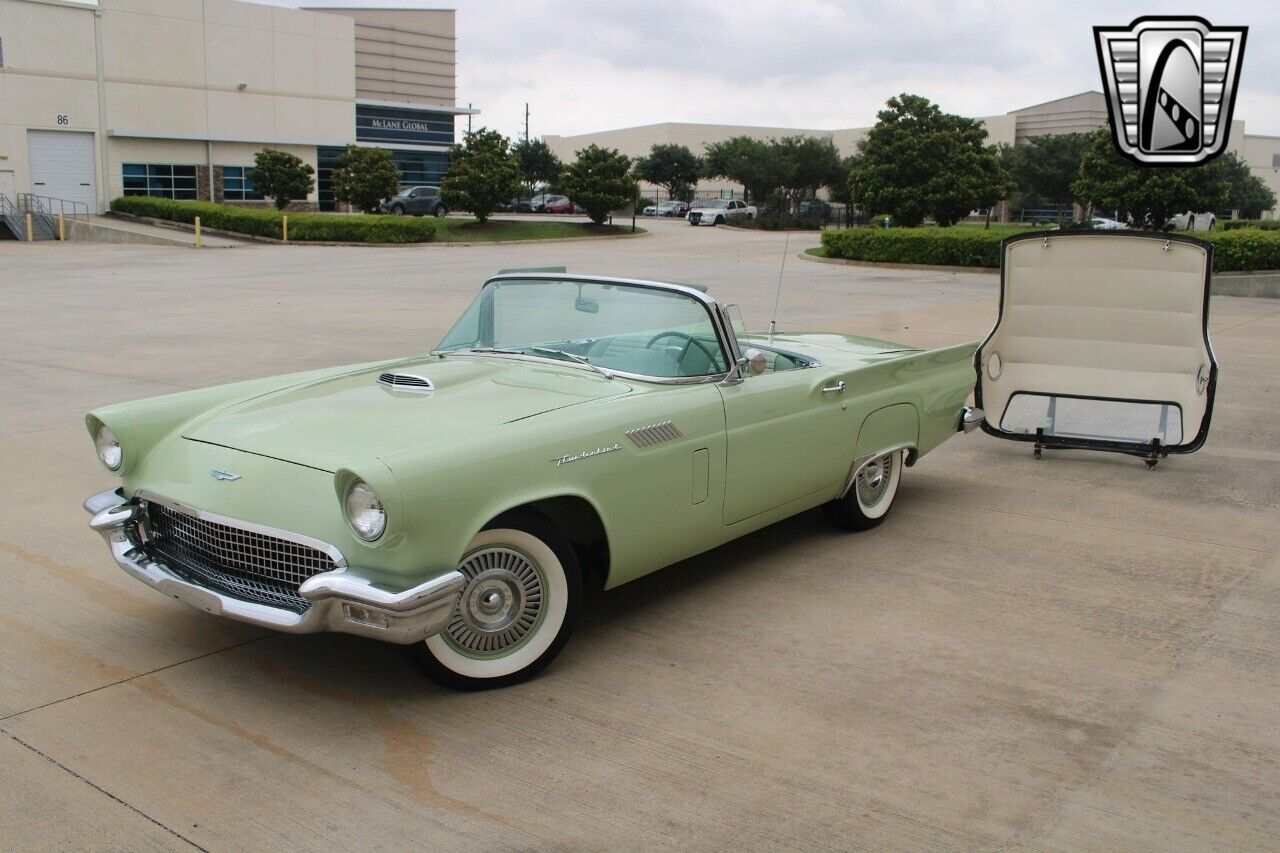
719, 221
397, 210
870, 497
516, 612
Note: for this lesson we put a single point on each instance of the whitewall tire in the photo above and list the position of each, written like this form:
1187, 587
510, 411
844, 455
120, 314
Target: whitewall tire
871, 496
516, 612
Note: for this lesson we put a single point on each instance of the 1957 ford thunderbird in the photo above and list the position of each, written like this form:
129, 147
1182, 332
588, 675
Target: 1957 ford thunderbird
567, 430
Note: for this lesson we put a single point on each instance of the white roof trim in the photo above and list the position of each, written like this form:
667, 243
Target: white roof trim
251, 140
405, 105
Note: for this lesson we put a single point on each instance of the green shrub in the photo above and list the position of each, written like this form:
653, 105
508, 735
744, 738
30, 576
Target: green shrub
967, 247
1233, 224
1242, 249
779, 222
267, 223
259, 222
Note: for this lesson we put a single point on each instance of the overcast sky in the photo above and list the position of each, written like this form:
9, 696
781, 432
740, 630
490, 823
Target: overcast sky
585, 66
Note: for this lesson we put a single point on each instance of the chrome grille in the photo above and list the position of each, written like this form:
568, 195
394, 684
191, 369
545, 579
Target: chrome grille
242, 563
406, 382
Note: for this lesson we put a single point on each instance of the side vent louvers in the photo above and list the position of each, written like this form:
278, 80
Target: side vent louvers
648, 436
406, 382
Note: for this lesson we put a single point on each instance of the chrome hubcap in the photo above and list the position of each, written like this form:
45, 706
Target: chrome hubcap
500, 604
873, 480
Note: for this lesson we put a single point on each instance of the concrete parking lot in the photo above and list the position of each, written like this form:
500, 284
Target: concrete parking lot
1070, 653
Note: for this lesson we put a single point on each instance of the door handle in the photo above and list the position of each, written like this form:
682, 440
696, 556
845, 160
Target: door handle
838, 388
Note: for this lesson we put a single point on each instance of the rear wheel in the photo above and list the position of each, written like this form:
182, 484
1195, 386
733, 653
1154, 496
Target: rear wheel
870, 497
516, 612
440, 210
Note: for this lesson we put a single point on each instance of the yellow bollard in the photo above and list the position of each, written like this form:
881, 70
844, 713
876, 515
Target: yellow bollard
285, 225
199, 242
62, 229
31, 236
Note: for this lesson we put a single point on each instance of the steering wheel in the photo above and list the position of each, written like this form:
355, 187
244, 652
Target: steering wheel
690, 340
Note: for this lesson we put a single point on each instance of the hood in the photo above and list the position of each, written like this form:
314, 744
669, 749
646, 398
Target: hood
334, 421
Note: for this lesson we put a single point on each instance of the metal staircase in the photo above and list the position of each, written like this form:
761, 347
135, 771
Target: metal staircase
44, 213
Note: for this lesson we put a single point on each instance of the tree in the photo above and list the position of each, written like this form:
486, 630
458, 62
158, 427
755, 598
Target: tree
483, 173
746, 161
281, 176
364, 177
1246, 192
538, 163
600, 180
807, 164
919, 161
671, 166
1150, 195
1046, 167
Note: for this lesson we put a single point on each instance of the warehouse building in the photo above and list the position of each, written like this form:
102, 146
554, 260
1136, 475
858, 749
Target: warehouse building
173, 98
1082, 113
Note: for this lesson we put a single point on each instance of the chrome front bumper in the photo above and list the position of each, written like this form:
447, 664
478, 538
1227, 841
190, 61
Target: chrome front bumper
341, 600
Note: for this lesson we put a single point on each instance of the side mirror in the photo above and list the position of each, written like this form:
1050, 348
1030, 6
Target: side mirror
587, 305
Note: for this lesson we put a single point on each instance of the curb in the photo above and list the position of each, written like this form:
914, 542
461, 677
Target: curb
845, 262
254, 238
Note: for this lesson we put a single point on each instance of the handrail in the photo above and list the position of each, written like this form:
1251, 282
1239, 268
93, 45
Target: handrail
52, 207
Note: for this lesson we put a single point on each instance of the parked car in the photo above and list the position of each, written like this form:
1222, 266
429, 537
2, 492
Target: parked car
578, 429
1102, 223
457, 502
1190, 221
672, 208
649, 210
816, 208
560, 204
718, 211
538, 204
417, 201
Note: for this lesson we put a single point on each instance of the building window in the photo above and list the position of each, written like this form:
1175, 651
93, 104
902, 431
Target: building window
236, 185
162, 181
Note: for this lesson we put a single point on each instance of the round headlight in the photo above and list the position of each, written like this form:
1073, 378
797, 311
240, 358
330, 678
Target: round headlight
108, 448
364, 511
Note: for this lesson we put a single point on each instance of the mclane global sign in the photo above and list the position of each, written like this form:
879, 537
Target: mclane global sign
403, 125
1171, 86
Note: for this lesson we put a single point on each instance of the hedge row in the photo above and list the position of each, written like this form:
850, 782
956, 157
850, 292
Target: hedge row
1244, 250
260, 222
1264, 224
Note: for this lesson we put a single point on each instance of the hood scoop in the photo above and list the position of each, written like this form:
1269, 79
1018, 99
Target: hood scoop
406, 382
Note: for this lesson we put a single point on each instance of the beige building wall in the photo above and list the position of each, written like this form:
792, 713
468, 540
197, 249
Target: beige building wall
49, 72
179, 81
404, 55
1082, 113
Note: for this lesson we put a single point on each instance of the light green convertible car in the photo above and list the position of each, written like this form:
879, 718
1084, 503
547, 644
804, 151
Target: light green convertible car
568, 430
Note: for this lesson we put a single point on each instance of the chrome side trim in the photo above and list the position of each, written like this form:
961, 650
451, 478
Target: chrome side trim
342, 600
648, 436
332, 552
861, 462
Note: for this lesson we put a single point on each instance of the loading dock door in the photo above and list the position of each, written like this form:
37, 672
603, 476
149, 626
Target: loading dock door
62, 166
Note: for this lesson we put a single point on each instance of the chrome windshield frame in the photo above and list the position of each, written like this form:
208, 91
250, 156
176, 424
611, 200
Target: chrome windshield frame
725, 336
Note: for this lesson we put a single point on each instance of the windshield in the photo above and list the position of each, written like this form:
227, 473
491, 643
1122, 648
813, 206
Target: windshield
628, 328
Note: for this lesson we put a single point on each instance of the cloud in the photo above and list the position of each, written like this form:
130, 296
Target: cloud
585, 66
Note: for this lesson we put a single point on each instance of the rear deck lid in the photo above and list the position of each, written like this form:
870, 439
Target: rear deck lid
1102, 342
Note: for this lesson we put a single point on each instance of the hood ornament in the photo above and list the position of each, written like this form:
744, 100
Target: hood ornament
221, 474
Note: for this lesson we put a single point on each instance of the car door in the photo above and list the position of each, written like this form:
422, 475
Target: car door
1101, 343
418, 200
789, 434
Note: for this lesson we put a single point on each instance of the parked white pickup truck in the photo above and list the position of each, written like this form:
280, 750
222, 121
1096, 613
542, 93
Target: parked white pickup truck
718, 211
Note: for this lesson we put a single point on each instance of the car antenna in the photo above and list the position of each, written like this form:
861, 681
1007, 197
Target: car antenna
773, 321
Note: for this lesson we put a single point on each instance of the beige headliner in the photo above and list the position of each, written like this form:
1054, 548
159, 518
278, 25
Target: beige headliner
1108, 316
